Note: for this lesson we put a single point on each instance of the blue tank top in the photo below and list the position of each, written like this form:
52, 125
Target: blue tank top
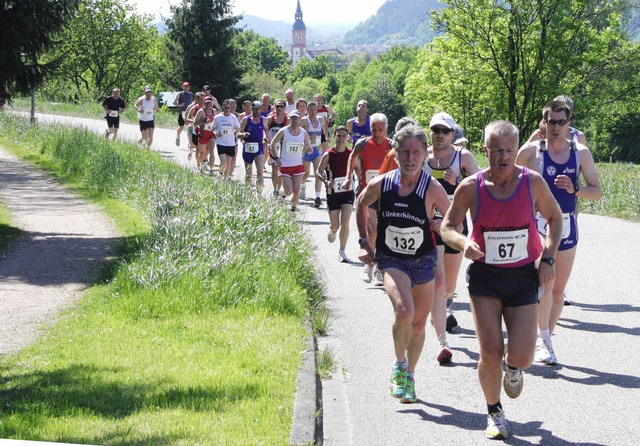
551, 169
359, 131
265, 113
256, 131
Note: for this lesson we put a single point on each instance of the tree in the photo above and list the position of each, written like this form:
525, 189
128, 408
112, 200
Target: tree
106, 46
203, 32
260, 53
28, 29
534, 48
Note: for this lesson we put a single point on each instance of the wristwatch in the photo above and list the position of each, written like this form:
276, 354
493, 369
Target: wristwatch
548, 260
362, 241
576, 187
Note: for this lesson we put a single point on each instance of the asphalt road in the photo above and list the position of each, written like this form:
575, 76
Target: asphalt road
591, 398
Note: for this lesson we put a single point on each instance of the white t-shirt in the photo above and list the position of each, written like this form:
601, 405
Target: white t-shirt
146, 109
228, 126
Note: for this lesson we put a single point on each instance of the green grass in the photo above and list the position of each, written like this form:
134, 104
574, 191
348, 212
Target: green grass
92, 110
194, 336
8, 232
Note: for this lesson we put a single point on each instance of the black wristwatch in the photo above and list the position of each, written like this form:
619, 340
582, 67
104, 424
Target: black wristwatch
576, 187
362, 241
548, 260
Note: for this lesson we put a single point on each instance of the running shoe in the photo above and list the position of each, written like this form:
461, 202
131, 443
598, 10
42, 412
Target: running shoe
178, 141
342, 257
544, 351
409, 391
398, 380
366, 274
205, 169
452, 322
331, 236
567, 301
294, 208
106, 133
276, 194
317, 202
444, 355
496, 426
377, 277
513, 382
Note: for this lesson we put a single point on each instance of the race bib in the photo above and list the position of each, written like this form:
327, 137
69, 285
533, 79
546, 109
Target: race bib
226, 130
566, 225
505, 247
251, 147
404, 240
182, 113
293, 148
148, 112
208, 126
323, 115
114, 113
371, 174
313, 139
338, 182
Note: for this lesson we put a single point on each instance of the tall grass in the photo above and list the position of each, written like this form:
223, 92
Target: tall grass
196, 336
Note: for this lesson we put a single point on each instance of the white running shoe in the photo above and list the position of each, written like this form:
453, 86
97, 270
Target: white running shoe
513, 382
342, 257
377, 277
544, 351
367, 273
496, 426
331, 236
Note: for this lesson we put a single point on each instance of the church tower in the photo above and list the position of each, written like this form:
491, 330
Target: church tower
298, 37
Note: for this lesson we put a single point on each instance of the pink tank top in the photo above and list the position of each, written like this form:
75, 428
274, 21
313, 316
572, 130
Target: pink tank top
506, 230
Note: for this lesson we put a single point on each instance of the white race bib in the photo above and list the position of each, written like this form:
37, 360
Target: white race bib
293, 148
148, 112
208, 126
338, 182
371, 174
404, 240
114, 113
566, 225
323, 115
505, 247
251, 147
313, 139
226, 131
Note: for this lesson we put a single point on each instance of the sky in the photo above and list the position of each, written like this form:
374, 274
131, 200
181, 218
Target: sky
313, 11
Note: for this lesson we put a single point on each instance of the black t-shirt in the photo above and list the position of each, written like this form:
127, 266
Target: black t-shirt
114, 104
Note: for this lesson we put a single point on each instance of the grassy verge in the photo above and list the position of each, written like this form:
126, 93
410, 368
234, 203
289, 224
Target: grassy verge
8, 232
193, 338
164, 118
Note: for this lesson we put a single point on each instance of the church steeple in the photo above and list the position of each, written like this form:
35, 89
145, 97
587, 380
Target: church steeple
298, 36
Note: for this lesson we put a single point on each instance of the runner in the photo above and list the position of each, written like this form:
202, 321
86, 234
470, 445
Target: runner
315, 127
182, 101
226, 126
266, 106
204, 120
504, 246
253, 132
370, 151
277, 120
449, 165
360, 125
329, 115
561, 162
190, 114
146, 106
294, 139
113, 106
291, 102
406, 249
301, 106
332, 171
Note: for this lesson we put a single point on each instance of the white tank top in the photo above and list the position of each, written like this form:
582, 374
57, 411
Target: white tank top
292, 148
146, 107
315, 133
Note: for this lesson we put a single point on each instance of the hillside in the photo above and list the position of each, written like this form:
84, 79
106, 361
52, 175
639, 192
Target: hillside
396, 22
329, 35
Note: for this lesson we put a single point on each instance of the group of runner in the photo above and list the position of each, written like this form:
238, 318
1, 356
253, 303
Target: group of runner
411, 199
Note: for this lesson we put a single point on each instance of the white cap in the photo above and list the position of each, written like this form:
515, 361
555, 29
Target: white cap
458, 137
294, 114
443, 119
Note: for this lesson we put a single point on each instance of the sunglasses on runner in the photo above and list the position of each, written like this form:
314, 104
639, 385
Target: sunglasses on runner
559, 122
441, 131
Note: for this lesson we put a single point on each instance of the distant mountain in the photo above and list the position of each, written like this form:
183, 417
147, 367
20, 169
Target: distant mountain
396, 22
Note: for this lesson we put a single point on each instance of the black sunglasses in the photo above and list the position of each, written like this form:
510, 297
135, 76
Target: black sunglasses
441, 131
279, 106
559, 122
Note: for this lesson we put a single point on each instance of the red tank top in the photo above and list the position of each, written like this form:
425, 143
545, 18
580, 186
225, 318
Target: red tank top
337, 169
371, 158
506, 230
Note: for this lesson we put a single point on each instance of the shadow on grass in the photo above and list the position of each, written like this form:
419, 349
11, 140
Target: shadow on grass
7, 235
36, 397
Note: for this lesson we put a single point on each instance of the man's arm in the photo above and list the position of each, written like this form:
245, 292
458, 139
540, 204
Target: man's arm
548, 207
332, 114
526, 156
436, 199
463, 199
321, 168
368, 196
353, 157
468, 164
274, 143
592, 191
177, 99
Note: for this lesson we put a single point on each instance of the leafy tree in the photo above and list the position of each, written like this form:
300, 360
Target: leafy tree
203, 34
318, 68
533, 48
105, 46
28, 29
260, 53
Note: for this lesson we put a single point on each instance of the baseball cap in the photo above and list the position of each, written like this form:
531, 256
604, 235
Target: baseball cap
186, 84
294, 114
458, 137
443, 119
208, 99
256, 104
206, 87
147, 88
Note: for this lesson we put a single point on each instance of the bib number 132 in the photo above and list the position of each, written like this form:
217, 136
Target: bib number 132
404, 240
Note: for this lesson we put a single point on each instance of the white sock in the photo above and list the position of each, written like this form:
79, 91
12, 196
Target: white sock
545, 333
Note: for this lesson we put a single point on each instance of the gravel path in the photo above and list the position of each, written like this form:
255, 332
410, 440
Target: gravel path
65, 244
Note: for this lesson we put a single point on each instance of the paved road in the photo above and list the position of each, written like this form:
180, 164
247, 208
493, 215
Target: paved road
591, 398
